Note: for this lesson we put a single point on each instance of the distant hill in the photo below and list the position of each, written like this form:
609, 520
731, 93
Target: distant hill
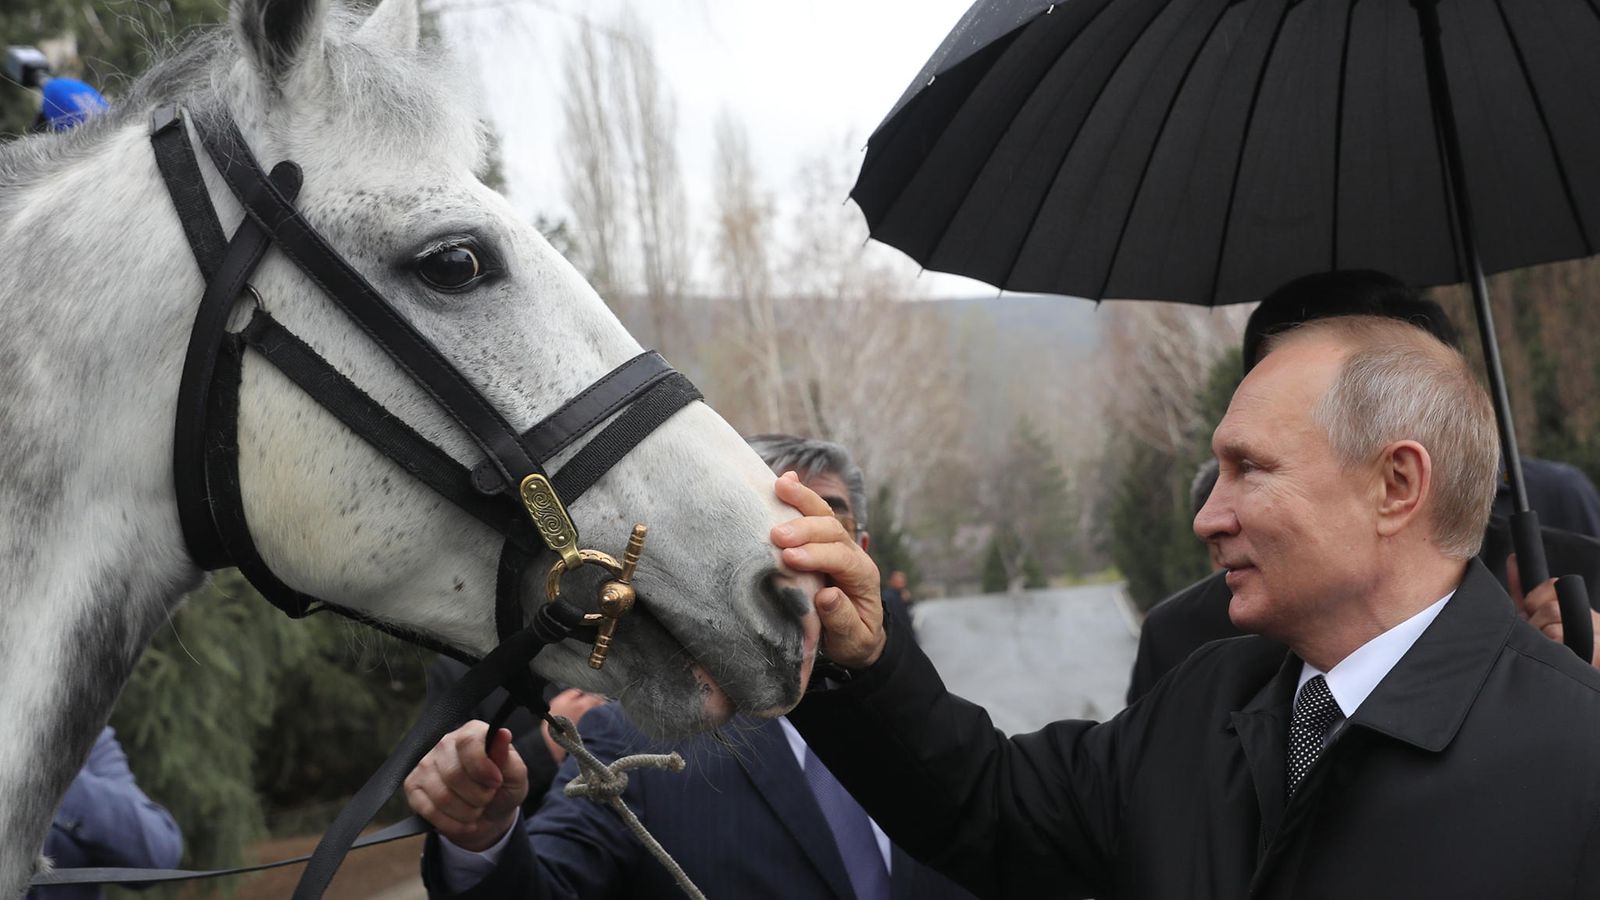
1045, 323
1021, 353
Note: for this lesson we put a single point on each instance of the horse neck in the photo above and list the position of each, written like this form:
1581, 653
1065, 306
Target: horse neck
95, 301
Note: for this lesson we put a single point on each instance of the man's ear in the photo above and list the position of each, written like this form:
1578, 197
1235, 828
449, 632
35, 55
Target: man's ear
279, 37
1406, 473
865, 539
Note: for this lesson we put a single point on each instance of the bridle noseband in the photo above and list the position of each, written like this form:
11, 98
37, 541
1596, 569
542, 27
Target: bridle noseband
510, 490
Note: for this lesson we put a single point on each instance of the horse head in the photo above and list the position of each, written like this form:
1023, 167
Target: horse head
91, 350
389, 148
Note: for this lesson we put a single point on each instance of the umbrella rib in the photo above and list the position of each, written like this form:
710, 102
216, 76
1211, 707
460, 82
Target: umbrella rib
1338, 133
1244, 143
1155, 142
1100, 91
1550, 137
972, 182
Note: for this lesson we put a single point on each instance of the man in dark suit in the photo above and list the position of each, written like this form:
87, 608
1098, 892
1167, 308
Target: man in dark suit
1417, 739
1566, 501
742, 821
756, 814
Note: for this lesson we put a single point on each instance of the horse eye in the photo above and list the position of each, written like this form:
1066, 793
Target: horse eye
450, 268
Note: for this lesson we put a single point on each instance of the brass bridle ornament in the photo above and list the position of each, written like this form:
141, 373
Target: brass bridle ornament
555, 526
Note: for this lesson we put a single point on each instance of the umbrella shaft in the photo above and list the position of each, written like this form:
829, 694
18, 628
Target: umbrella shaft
1455, 191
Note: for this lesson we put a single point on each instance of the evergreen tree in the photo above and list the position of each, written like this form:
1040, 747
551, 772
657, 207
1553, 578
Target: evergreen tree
190, 717
995, 578
890, 546
1152, 535
237, 716
1031, 505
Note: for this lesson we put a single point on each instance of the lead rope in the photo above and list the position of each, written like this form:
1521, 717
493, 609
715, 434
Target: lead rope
604, 784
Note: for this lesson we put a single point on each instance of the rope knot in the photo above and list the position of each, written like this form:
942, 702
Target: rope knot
605, 784
599, 785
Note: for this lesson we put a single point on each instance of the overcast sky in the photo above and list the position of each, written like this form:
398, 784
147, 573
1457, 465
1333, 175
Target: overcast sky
804, 78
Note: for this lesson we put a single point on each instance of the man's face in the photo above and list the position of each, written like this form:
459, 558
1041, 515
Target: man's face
1294, 529
831, 488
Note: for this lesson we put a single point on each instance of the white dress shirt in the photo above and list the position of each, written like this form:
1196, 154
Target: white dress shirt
1355, 677
461, 869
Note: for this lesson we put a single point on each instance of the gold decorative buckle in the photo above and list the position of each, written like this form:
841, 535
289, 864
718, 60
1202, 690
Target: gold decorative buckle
616, 596
551, 519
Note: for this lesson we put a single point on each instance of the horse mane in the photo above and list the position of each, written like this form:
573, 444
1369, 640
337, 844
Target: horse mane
384, 88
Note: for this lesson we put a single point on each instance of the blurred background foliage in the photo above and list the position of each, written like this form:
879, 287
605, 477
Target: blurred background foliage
104, 42
246, 724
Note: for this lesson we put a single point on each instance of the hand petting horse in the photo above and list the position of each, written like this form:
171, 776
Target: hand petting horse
98, 299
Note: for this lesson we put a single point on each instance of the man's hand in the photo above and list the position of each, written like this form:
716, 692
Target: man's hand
849, 607
571, 703
469, 796
1542, 609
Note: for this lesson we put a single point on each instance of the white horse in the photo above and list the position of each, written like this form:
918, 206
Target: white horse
97, 293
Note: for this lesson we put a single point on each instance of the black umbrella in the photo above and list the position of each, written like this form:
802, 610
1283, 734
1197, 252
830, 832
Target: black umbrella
1205, 151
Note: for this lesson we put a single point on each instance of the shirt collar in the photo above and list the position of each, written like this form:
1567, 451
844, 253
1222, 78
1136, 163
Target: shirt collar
1355, 677
797, 744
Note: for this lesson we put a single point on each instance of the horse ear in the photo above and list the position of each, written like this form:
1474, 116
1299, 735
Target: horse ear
394, 24
278, 35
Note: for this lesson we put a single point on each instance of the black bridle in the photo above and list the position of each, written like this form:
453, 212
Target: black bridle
510, 490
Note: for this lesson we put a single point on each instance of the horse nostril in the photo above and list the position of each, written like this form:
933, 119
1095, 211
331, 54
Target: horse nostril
783, 595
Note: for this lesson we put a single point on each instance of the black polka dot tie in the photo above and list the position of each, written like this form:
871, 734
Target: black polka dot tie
1314, 713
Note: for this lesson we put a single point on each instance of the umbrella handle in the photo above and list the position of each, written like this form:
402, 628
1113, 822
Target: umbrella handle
1577, 628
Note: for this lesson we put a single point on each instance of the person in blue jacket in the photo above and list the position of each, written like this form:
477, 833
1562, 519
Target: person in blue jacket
67, 102
106, 820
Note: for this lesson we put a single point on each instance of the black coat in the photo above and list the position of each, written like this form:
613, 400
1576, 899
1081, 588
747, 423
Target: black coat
1469, 772
1198, 614
740, 820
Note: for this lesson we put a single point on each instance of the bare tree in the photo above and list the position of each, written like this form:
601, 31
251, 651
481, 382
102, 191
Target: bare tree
588, 162
1154, 362
647, 136
876, 365
623, 178
741, 249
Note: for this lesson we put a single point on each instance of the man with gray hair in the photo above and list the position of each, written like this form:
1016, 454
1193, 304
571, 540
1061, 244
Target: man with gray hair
1567, 503
757, 815
826, 467
1417, 738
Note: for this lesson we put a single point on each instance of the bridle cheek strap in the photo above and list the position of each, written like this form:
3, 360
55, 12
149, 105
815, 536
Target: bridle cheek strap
413, 352
634, 398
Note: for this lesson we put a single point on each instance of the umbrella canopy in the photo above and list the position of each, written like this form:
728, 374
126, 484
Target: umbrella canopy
1206, 151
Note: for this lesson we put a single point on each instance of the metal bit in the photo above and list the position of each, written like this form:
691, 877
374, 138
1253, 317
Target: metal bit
617, 597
